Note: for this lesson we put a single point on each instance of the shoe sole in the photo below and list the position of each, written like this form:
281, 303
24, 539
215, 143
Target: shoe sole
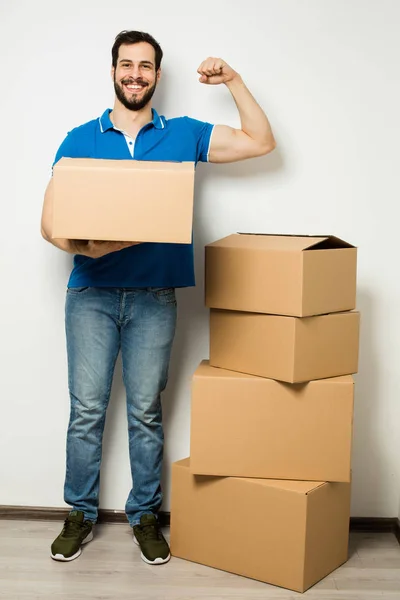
156, 561
62, 558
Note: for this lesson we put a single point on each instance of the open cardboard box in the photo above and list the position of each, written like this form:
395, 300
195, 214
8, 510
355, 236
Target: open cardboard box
281, 274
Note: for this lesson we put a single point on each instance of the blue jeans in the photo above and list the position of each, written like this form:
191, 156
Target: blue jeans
99, 323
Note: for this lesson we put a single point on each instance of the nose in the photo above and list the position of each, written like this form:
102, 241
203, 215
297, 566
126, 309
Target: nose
135, 71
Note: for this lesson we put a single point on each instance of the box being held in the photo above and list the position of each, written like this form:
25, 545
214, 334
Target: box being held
123, 200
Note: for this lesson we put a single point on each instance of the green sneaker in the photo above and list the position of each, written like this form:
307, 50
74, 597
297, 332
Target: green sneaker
76, 531
147, 535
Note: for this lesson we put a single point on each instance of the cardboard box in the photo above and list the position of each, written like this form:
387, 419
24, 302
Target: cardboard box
281, 274
123, 200
249, 426
289, 349
287, 533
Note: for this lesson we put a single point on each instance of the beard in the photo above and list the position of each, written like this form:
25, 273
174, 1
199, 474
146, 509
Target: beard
132, 103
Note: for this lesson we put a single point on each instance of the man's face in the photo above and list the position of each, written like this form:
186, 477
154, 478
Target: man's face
135, 77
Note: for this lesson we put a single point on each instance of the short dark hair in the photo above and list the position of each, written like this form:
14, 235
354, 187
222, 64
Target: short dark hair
135, 37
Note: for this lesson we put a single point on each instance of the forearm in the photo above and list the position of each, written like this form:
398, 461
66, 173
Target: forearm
90, 248
254, 121
46, 224
66, 245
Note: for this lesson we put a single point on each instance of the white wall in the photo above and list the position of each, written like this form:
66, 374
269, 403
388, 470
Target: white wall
327, 75
399, 512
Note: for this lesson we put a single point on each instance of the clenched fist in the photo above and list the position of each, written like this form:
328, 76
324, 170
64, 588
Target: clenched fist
214, 71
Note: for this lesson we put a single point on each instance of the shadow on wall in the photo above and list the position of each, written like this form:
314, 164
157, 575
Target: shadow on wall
193, 322
368, 460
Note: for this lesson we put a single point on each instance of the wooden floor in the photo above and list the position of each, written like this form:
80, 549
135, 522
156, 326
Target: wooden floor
110, 568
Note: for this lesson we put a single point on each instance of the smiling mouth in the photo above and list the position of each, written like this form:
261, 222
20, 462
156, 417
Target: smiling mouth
134, 88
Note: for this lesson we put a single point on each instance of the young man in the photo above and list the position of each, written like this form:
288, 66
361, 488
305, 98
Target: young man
121, 296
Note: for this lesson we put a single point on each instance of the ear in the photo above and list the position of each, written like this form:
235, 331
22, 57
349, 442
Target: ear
112, 73
158, 75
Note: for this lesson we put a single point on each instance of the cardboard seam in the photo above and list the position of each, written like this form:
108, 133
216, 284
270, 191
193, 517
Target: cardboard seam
306, 536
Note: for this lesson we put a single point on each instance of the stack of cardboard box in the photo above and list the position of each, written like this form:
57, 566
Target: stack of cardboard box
266, 490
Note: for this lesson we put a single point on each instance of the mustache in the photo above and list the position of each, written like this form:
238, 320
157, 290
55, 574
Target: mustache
130, 81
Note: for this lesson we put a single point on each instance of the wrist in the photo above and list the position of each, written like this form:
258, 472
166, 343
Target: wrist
236, 81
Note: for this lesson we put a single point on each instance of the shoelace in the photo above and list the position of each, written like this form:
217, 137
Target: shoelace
72, 528
150, 532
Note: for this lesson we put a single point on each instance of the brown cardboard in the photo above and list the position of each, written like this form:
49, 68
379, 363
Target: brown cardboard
281, 274
123, 200
287, 533
289, 349
249, 426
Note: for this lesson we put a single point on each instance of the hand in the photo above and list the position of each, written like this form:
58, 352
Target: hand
214, 71
97, 249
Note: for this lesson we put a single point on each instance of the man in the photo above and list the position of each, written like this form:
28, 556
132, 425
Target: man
121, 296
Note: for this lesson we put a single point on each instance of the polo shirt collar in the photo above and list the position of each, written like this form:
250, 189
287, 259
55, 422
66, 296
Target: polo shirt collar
106, 124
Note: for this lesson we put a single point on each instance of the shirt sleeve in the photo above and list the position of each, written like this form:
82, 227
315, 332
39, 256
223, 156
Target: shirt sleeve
202, 132
69, 148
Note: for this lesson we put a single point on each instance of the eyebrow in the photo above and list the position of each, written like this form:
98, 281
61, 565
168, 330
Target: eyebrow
142, 62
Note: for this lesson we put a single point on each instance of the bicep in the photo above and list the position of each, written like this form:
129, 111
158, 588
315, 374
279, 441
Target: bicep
229, 145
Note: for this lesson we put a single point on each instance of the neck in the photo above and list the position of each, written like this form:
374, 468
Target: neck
130, 121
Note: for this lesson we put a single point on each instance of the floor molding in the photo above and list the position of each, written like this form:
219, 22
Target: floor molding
376, 524
35, 513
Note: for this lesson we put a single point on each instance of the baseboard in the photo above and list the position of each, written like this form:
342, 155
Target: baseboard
34, 513
37, 513
376, 524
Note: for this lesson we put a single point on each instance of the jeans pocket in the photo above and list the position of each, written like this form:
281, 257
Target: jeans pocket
77, 290
165, 296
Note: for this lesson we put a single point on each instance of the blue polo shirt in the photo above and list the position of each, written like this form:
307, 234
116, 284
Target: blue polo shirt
147, 264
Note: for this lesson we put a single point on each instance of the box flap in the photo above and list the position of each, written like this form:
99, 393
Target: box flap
298, 487
311, 242
330, 242
317, 487
206, 370
184, 463
280, 242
